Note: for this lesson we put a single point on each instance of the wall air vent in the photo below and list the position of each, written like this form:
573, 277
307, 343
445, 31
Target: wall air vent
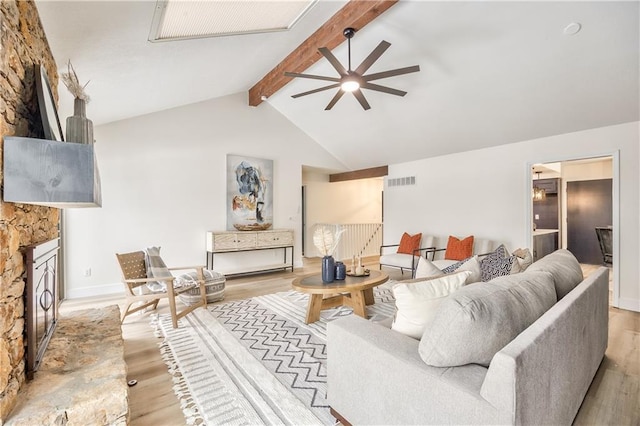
403, 181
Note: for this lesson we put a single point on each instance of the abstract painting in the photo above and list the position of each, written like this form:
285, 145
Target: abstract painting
249, 193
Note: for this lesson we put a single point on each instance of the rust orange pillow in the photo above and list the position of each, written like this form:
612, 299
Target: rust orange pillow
409, 243
459, 249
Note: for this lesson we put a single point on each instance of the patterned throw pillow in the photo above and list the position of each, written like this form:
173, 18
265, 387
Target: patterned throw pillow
458, 249
496, 264
452, 268
409, 243
470, 264
156, 268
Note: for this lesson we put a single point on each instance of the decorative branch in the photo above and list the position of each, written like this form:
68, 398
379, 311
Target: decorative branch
326, 238
70, 79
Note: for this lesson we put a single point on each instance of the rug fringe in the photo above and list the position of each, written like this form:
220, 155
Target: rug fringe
187, 404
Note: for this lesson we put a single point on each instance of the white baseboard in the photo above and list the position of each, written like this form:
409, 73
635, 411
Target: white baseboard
98, 290
629, 304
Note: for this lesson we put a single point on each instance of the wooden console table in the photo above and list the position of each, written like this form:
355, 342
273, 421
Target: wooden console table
241, 241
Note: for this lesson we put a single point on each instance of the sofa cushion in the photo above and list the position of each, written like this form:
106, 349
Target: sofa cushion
496, 264
478, 320
426, 268
564, 267
417, 301
458, 249
409, 243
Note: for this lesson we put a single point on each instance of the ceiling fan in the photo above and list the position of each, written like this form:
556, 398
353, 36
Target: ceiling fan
355, 80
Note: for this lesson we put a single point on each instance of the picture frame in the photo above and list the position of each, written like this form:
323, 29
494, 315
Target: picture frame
249, 193
47, 106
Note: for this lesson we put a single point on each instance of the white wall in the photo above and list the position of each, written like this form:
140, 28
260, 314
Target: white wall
354, 201
163, 183
486, 193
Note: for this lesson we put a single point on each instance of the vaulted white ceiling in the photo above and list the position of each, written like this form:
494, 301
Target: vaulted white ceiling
491, 72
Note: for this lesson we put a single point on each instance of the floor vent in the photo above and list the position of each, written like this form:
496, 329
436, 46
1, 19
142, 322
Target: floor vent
403, 181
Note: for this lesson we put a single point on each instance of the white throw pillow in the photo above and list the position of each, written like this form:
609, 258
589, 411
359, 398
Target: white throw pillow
524, 259
426, 268
472, 265
417, 301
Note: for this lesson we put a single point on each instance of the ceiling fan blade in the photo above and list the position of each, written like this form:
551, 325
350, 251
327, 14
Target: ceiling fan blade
360, 97
333, 60
391, 73
373, 56
383, 89
331, 86
335, 99
314, 77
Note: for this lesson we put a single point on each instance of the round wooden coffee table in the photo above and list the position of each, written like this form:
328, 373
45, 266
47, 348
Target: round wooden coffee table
356, 292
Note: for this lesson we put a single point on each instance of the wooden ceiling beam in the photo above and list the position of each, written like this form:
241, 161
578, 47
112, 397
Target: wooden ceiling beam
355, 14
373, 172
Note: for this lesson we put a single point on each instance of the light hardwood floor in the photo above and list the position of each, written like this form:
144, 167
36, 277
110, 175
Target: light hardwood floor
612, 399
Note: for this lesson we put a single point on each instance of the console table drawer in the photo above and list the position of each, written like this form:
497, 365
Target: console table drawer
276, 238
230, 241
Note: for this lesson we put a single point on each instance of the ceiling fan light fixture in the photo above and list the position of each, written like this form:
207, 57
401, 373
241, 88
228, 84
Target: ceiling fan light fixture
350, 85
354, 80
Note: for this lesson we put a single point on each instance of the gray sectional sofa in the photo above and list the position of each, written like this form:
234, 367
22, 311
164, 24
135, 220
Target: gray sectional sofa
475, 371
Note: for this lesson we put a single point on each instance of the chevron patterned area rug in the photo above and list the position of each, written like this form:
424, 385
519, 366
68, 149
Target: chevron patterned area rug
255, 361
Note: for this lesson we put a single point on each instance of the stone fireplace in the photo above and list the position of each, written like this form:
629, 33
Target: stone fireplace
23, 44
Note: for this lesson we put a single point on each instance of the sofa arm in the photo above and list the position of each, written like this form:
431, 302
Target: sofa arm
376, 376
548, 368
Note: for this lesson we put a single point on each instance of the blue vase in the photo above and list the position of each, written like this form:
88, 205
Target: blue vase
328, 269
341, 271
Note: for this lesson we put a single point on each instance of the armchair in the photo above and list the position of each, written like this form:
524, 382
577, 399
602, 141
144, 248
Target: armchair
391, 258
134, 277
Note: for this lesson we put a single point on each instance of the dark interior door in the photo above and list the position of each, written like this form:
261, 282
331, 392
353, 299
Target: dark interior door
589, 205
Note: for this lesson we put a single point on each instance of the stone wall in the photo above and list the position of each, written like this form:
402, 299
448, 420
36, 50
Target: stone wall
23, 44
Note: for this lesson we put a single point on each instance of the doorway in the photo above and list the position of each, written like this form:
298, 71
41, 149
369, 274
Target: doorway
354, 204
587, 198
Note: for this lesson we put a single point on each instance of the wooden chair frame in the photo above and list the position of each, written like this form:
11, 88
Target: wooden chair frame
134, 275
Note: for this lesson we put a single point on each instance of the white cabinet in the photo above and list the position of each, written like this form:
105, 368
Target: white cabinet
241, 241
